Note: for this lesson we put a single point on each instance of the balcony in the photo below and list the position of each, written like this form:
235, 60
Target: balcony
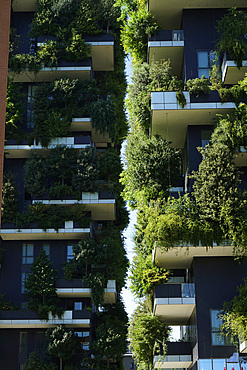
85, 124
81, 70
67, 231
14, 150
179, 355
101, 204
73, 288
174, 303
168, 44
181, 257
231, 74
24, 5
29, 319
102, 52
243, 347
241, 157
171, 121
168, 13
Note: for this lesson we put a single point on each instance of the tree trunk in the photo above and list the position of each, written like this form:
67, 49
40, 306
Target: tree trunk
61, 363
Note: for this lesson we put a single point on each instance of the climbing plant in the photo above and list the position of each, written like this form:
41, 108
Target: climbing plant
9, 204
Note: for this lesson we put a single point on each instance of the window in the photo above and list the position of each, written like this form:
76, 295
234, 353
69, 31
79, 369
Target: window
218, 338
78, 306
30, 98
70, 254
205, 137
205, 59
84, 339
27, 254
40, 342
23, 343
23, 279
46, 248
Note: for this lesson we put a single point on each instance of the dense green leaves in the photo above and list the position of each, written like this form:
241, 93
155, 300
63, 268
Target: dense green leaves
40, 288
147, 334
62, 343
234, 315
9, 198
233, 23
108, 259
152, 167
145, 276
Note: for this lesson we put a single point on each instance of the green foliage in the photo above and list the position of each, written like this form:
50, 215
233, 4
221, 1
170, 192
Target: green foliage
14, 112
147, 334
109, 165
62, 343
234, 315
111, 333
35, 174
198, 86
181, 99
40, 288
140, 26
233, 23
145, 276
231, 131
86, 171
109, 259
216, 182
103, 117
63, 170
152, 167
9, 198
156, 76
4, 304
35, 362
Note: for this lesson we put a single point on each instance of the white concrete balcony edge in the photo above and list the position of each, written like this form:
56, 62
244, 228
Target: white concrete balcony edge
174, 301
155, 44
167, 100
36, 323
172, 361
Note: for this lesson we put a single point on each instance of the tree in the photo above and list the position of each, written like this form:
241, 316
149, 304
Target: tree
9, 199
35, 362
35, 174
152, 167
234, 315
40, 288
216, 182
145, 276
111, 333
62, 343
86, 171
147, 334
233, 23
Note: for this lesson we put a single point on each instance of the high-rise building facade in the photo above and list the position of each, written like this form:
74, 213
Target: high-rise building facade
62, 214
203, 277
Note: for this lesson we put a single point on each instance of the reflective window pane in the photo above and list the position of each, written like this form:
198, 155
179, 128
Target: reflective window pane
203, 59
205, 365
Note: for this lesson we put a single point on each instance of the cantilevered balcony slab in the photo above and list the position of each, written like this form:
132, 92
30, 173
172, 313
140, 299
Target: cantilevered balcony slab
231, 74
85, 124
11, 232
174, 303
75, 70
168, 13
74, 289
167, 44
101, 205
179, 355
171, 121
30, 320
181, 257
13, 150
24, 5
173, 362
102, 52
